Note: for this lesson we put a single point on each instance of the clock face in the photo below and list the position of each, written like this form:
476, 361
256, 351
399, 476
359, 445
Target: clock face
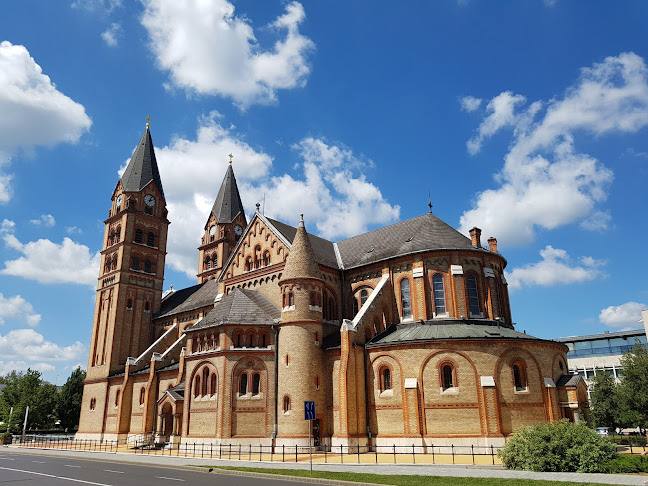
238, 230
119, 200
149, 200
212, 230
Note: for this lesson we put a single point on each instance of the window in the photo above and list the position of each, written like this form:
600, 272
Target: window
406, 307
135, 263
312, 299
205, 380
447, 376
206, 264
117, 398
317, 340
263, 340
519, 376
147, 307
93, 403
287, 360
248, 264
129, 304
215, 260
291, 299
250, 339
142, 394
150, 239
266, 258
317, 382
138, 235
286, 404
355, 306
237, 339
363, 297
213, 385
473, 296
148, 266
256, 383
332, 313
385, 379
243, 384
197, 386
438, 292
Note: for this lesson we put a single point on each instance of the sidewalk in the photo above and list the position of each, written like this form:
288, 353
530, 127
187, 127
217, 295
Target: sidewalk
383, 469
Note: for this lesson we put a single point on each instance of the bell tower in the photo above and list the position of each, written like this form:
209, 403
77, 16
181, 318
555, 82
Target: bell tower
224, 227
129, 289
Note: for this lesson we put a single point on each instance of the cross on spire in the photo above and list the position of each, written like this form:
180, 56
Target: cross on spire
231, 157
430, 201
148, 121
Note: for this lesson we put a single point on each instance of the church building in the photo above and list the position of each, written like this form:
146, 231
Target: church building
401, 335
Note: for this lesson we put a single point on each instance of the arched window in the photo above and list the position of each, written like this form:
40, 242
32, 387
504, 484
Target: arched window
117, 234
447, 376
406, 303
148, 266
363, 297
248, 264
519, 376
257, 256
438, 294
317, 382
317, 339
206, 264
473, 296
147, 307
287, 360
135, 263
332, 313
286, 404
385, 378
263, 340
197, 386
205, 380
243, 384
355, 306
266, 258
93, 403
142, 394
215, 260
256, 383
150, 239
138, 235
250, 339
312, 299
129, 304
237, 339
213, 384
117, 397
291, 299
113, 265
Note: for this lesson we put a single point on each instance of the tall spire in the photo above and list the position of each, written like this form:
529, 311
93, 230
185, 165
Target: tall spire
228, 201
301, 259
142, 167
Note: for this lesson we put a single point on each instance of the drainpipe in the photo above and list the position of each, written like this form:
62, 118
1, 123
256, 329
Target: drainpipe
368, 389
276, 387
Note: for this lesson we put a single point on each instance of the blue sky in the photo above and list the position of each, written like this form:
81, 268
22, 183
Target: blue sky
526, 119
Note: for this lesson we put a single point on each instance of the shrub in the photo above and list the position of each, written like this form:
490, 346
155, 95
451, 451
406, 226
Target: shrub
558, 446
626, 463
5, 438
633, 440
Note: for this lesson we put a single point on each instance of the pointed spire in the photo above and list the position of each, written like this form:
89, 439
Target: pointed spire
228, 201
142, 167
301, 259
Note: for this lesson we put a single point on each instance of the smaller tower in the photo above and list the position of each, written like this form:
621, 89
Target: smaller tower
301, 360
224, 227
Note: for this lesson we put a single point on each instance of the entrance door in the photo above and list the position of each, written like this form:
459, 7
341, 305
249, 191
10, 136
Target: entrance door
316, 432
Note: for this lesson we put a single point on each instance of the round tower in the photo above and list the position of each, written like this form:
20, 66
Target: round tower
301, 359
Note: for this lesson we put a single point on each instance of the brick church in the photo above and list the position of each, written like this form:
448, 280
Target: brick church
400, 335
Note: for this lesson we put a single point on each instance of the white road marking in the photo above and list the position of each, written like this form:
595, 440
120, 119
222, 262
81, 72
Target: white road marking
70, 465
110, 470
170, 479
8, 458
39, 462
56, 477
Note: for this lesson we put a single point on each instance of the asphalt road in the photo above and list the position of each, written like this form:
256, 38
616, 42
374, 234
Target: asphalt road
34, 469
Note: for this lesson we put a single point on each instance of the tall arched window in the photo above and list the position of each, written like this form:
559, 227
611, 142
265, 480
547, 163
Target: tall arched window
406, 303
243, 384
312, 299
519, 376
250, 339
473, 296
291, 299
205, 380
148, 266
257, 256
263, 340
213, 384
237, 339
135, 263
215, 260
150, 239
355, 306
286, 404
138, 235
256, 383
447, 376
363, 297
142, 394
266, 258
117, 395
385, 378
438, 294
197, 386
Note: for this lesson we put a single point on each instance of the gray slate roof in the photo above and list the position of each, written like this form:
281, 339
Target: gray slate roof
605, 335
448, 330
568, 380
427, 232
142, 167
188, 299
228, 201
241, 306
323, 249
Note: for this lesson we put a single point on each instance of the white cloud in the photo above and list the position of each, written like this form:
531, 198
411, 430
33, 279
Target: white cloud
624, 315
27, 344
97, 5
17, 308
112, 35
47, 262
332, 192
209, 50
45, 220
71, 230
470, 103
545, 182
32, 111
555, 268
597, 221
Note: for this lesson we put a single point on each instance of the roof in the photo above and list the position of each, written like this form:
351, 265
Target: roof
605, 335
568, 380
142, 167
323, 250
228, 201
468, 329
301, 259
241, 306
422, 233
188, 299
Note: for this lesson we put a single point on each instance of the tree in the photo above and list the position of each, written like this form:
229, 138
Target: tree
23, 390
68, 405
633, 389
604, 401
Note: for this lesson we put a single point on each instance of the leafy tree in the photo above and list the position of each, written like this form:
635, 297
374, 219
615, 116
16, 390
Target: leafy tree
68, 405
604, 401
23, 390
633, 389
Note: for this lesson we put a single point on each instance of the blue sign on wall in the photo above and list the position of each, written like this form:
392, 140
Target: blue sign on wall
309, 410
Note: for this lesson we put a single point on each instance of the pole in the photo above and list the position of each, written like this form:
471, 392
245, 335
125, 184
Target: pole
310, 447
25, 423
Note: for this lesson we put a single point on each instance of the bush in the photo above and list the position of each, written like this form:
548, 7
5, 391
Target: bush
558, 446
6, 438
626, 463
633, 440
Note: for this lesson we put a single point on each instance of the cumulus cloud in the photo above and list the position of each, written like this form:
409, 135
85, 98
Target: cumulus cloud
112, 35
45, 220
555, 268
545, 181
626, 315
329, 186
27, 344
32, 111
17, 308
209, 50
47, 262
470, 103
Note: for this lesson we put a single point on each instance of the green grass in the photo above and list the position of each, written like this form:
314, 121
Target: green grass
403, 480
